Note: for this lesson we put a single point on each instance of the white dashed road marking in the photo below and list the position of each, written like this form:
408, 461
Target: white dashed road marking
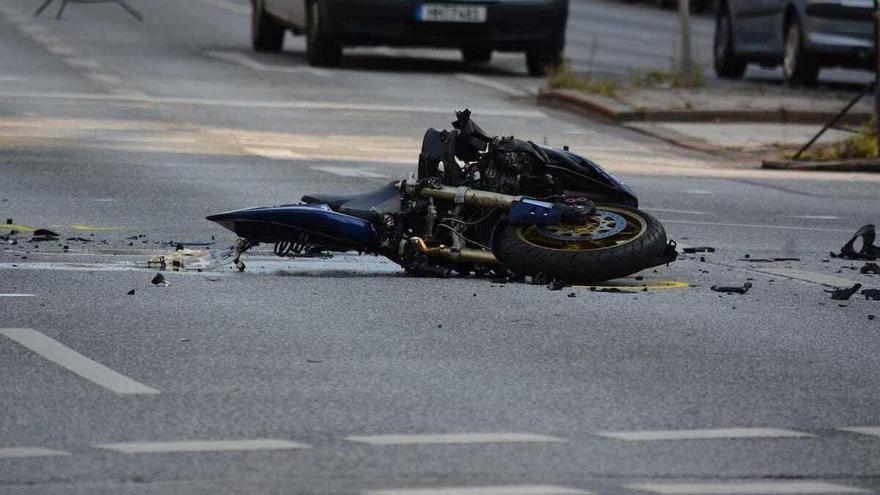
864, 430
75, 362
709, 434
279, 104
807, 276
667, 210
451, 438
16, 295
815, 217
249, 63
768, 487
201, 446
489, 83
758, 226
485, 490
17, 452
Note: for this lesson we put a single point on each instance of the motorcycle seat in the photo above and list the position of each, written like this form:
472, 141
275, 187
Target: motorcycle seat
369, 206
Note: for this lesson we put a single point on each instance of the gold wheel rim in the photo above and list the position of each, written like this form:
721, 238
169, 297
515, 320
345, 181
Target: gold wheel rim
636, 226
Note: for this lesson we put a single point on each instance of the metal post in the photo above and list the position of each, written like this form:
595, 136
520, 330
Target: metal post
877, 71
684, 14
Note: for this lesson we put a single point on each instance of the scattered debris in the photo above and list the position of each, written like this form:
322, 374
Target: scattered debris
698, 249
314, 361
870, 268
159, 281
79, 239
41, 235
873, 294
572, 294
556, 284
868, 250
131, 292
193, 259
8, 221
702, 259
733, 290
871, 317
766, 260
185, 339
122, 3
606, 289
843, 294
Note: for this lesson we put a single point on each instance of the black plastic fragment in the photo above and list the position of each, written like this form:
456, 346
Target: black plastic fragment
733, 290
572, 294
131, 292
873, 294
870, 268
159, 279
698, 249
843, 294
868, 250
40, 235
613, 290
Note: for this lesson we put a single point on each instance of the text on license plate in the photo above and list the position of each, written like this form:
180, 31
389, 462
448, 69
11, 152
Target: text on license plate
439, 12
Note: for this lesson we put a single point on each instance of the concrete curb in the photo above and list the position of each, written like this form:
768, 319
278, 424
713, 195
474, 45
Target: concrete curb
617, 111
860, 165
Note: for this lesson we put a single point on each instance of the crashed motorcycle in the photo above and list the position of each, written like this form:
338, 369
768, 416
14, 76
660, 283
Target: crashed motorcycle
479, 205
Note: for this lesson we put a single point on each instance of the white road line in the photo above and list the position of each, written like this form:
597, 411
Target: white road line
864, 430
58, 49
769, 487
16, 452
280, 105
497, 86
83, 63
75, 362
201, 446
696, 191
718, 433
686, 212
353, 172
275, 153
249, 63
758, 226
16, 295
484, 490
104, 78
451, 438
232, 7
815, 217
813, 277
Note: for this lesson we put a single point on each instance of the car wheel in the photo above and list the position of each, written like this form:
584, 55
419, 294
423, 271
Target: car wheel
266, 34
798, 67
543, 59
321, 48
727, 64
476, 55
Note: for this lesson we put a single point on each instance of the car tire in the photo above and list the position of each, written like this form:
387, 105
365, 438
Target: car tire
266, 34
476, 56
799, 68
321, 49
727, 64
543, 59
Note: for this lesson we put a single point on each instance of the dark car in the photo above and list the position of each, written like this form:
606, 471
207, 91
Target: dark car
477, 28
801, 35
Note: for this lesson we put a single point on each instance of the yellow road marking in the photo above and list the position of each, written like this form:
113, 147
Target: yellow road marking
12, 226
659, 285
96, 228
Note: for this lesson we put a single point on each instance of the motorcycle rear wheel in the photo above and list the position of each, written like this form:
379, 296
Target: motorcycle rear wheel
601, 250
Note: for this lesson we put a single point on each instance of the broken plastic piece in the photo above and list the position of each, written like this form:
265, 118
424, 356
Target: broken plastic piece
131, 292
845, 293
698, 249
873, 294
868, 250
159, 280
40, 235
556, 285
733, 290
870, 268
193, 259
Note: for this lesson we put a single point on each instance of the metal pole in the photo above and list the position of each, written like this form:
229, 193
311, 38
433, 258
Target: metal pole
877, 71
684, 14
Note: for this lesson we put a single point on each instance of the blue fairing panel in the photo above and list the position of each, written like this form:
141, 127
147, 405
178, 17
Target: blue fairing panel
288, 222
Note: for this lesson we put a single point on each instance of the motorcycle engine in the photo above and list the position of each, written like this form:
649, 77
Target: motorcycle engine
517, 167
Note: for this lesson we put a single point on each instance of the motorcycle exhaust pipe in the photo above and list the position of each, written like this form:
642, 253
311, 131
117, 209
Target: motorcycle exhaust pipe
462, 195
465, 255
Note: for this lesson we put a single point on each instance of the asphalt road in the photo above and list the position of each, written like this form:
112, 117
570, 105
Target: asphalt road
343, 376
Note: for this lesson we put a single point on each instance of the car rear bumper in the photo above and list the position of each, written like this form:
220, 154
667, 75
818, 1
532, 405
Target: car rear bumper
514, 25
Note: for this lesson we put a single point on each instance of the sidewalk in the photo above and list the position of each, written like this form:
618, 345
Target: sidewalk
759, 120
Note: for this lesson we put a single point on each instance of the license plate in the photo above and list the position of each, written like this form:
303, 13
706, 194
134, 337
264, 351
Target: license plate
439, 12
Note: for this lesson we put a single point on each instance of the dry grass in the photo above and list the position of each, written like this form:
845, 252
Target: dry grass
564, 78
860, 145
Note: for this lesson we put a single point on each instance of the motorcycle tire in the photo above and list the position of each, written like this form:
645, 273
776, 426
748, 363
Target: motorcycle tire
601, 250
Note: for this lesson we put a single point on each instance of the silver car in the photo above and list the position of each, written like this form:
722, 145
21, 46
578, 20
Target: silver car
476, 27
801, 35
